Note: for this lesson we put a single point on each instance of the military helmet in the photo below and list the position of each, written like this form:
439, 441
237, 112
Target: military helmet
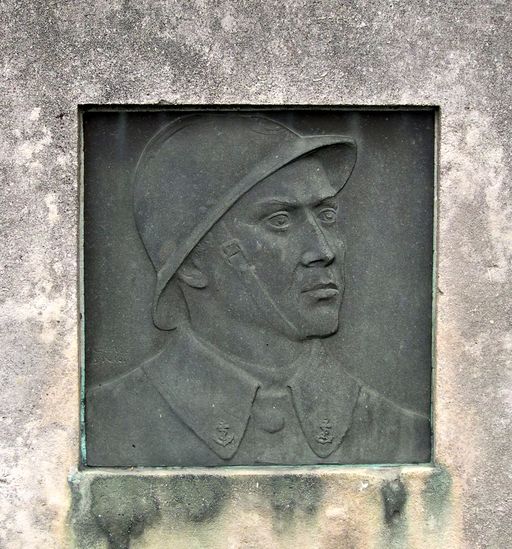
195, 168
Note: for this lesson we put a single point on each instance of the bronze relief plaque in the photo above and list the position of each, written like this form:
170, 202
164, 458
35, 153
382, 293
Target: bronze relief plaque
257, 286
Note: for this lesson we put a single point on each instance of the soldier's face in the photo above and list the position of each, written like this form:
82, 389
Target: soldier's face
288, 232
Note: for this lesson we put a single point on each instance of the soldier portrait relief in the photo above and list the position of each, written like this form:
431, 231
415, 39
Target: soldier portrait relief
239, 215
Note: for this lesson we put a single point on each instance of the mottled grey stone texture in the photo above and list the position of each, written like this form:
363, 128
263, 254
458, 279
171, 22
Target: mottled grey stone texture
57, 55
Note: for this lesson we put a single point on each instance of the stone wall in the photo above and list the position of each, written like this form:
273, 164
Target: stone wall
58, 55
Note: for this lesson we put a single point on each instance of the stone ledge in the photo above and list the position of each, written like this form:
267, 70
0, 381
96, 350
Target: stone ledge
328, 506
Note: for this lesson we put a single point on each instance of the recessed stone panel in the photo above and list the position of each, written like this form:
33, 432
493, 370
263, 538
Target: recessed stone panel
257, 286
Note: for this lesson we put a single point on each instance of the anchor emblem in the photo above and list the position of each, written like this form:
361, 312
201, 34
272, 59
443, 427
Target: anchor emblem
325, 436
223, 436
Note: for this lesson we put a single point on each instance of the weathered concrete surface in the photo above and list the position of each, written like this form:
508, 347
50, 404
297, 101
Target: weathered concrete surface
314, 508
454, 54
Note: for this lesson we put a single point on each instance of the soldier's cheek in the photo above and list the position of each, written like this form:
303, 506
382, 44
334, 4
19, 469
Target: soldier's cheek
268, 248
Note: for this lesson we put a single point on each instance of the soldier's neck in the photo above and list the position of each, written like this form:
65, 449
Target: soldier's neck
250, 344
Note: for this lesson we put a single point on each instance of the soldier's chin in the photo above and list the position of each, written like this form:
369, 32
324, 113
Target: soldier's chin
320, 325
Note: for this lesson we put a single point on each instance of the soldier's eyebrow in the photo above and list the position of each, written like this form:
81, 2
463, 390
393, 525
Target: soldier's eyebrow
264, 205
284, 202
287, 203
328, 201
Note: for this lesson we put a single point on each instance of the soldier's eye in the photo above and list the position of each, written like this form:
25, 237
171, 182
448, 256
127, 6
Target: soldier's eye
279, 220
328, 215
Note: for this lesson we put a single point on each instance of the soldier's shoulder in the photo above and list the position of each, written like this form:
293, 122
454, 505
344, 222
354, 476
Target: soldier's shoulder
369, 397
409, 431
125, 383
114, 413
387, 411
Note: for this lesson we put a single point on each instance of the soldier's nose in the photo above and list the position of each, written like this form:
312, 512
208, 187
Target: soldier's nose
317, 252
316, 258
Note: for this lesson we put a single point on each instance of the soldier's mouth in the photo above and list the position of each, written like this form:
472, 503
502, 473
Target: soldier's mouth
322, 290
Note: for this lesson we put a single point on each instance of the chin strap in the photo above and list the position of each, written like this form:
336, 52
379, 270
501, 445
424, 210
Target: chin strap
233, 253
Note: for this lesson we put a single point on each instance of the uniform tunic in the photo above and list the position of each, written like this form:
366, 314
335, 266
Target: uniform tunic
191, 405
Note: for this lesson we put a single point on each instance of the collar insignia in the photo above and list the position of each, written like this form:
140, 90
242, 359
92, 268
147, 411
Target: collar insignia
223, 436
324, 435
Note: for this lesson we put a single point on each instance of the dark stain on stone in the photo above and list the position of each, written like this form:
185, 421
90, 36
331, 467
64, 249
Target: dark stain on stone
123, 508
84, 529
394, 497
290, 493
436, 493
197, 498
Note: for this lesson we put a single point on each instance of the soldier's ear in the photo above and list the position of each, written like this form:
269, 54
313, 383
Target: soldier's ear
191, 274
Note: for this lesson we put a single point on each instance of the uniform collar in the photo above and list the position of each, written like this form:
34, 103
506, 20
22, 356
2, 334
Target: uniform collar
324, 397
213, 395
